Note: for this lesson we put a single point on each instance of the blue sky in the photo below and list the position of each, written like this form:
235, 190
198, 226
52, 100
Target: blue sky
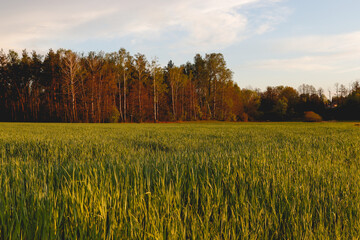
265, 42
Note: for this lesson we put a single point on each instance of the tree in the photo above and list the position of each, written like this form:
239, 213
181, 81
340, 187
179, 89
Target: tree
218, 74
292, 98
157, 76
70, 87
70, 68
175, 77
3, 86
251, 101
280, 108
122, 61
127, 66
140, 66
51, 81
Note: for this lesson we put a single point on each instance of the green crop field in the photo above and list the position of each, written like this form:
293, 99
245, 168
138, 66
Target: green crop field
180, 181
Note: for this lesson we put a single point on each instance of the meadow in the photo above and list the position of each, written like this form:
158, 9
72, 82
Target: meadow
180, 181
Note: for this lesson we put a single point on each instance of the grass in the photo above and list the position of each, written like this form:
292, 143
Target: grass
180, 181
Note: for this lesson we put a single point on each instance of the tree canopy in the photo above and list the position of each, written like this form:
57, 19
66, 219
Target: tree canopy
64, 86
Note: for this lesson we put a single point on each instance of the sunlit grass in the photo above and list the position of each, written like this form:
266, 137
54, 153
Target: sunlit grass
180, 181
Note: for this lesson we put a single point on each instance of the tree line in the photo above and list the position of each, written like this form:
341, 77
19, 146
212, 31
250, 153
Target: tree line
65, 86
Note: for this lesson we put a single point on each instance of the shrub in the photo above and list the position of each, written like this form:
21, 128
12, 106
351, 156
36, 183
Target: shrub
312, 117
114, 115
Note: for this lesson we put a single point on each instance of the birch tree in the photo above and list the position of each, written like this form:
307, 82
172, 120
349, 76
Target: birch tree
70, 67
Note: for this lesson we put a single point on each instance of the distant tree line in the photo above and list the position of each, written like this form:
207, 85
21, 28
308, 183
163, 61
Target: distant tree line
64, 86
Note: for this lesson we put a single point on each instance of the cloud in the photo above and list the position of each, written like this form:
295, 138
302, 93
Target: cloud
347, 42
204, 25
302, 63
213, 29
336, 53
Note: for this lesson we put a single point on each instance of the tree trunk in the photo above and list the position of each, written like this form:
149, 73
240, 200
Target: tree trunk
155, 119
120, 104
214, 101
124, 97
173, 100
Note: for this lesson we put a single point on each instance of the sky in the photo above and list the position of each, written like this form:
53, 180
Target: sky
264, 42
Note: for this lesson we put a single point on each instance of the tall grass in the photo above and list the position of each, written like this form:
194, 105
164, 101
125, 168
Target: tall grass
180, 181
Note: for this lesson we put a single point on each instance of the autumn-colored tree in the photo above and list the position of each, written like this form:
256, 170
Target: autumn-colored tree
97, 87
158, 86
141, 71
70, 66
51, 81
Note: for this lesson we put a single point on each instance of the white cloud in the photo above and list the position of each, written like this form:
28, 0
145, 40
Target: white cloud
207, 25
213, 29
301, 63
336, 53
348, 42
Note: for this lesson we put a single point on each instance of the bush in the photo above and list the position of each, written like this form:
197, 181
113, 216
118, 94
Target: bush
114, 115
312, 117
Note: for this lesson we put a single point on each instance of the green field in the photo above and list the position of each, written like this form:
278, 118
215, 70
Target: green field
180, 181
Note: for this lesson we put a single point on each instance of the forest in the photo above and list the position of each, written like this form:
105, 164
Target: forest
65, 86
